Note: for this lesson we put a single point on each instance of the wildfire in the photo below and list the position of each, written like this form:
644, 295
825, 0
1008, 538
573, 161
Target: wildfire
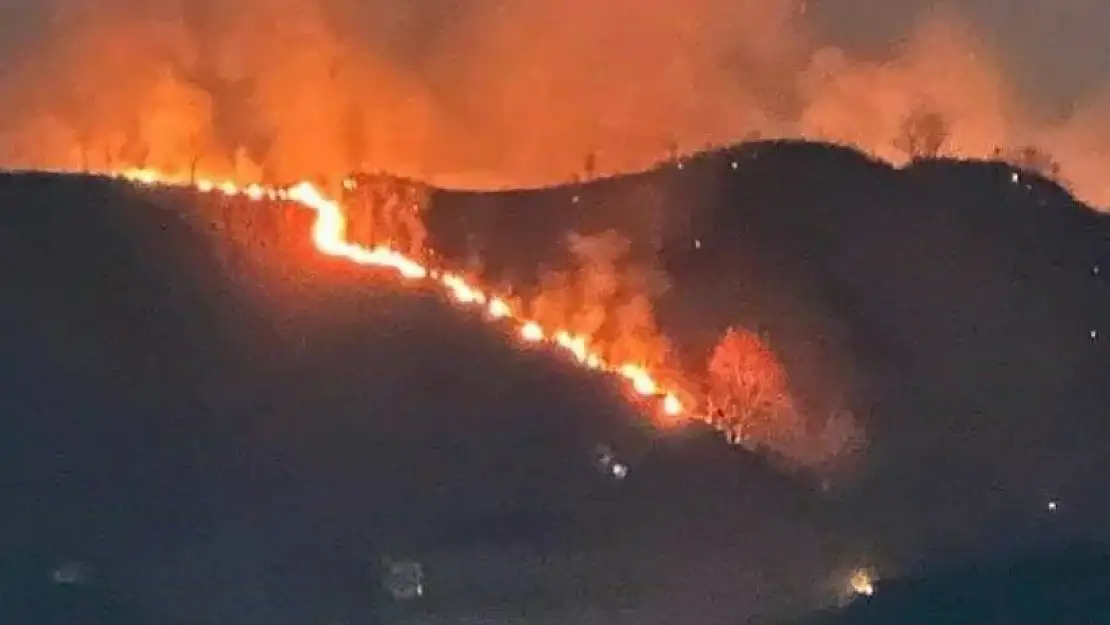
329, 237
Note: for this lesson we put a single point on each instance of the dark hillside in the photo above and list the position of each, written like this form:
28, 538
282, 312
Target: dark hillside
951, 303
228, 426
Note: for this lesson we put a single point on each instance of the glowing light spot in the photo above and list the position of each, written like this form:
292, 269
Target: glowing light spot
576, 345
531, 332
498, 309
671, 406
862, 583
619, 470
640, 379
145, 176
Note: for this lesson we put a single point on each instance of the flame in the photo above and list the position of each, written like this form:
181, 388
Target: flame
329, 237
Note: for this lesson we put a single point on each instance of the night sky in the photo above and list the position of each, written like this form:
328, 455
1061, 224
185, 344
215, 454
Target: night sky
1053, 48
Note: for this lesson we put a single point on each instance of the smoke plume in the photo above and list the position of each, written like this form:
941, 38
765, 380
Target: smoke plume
489, 92
606, 296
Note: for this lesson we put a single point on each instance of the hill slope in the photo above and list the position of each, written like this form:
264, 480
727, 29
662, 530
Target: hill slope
950, 303
225, 424
196, 399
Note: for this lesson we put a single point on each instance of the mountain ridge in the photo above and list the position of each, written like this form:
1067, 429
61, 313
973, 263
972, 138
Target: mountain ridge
234, 395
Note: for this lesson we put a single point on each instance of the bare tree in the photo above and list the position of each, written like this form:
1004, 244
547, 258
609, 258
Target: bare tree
748, 390
672, 151
924, 134
415, 201
590, 167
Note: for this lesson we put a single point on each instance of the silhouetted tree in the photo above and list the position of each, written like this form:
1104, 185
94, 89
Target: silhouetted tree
590, 168
672, 151
923, 134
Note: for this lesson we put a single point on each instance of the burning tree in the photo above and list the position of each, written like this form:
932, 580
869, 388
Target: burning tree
748, 391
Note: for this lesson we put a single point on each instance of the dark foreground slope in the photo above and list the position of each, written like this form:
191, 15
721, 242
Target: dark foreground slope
950, 304
224, 426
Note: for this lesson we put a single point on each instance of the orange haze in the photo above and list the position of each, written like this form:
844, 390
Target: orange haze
488, 92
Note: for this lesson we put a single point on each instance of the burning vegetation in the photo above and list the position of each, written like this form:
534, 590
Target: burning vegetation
598, 313
269, 92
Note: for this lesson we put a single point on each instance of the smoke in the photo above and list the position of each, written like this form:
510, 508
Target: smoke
942, 69
487, 93
607, 296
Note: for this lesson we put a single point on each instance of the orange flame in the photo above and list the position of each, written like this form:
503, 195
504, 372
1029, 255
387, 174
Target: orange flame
329, 237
